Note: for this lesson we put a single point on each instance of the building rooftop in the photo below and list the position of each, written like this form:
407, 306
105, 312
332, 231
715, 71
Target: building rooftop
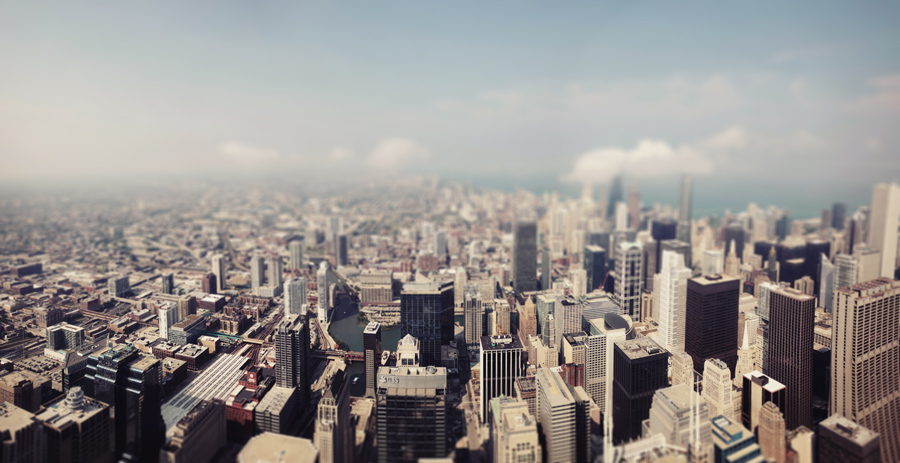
372, 328
712, 279
764, 381
74, 408
431, 287
500, 342
215, 382
192, 350
575, 339
275, 399
144, 363
271, 447
638, 348
14, 418
557, 390
842, 426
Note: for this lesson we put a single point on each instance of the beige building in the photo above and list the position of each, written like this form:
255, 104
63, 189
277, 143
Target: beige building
717, 388
515, 432
772, 432
78, 429
22, 437
278, 447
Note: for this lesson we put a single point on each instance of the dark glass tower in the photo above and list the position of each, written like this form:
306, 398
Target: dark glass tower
685, 194
372, 353
711, 320
342, 250
595, 265
292, 356
615, 195
734, 232
426, 313
838, 214
524, 258
546, 268
661, 230
790, 354
640, 367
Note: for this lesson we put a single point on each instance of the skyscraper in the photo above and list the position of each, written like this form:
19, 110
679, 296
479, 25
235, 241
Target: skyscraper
711, 319
168, 283
501, 364
440, 245
257, 273
515, 432
275, 271
341, 248
672, 300
295, 296
621, 216
564, 416
323, 285
717, 388
295, 248
713, 263
634, 207
629, 261
524, 257
579, 282
292, 355
595, 264
547, 268
865, 354
333, 438
640, 368
884, 217
826, 283
838, 215
791, 323
372, 353
426, 313
670, 415
734, 236
474, 313
846, 270
615, 195
168, 316
209, 284
218, 269
843, 441
78, 429
685, 211
771, 432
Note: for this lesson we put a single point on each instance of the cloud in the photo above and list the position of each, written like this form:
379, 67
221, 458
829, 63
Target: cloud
243, 153
396, 151
340, 154
873, 145
732, 138
884, 100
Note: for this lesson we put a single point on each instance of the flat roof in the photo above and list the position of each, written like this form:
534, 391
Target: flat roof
851, 431
638, 348
502, 342
215, 382
269, 446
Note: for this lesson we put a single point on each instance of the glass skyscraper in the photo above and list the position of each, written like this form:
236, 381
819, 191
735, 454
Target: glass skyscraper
426, 313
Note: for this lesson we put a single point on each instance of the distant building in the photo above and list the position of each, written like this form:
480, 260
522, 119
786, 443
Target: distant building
629, 285
594, 264
376, 287
219, 266
292, 355
474, 313
64, 337
119, 286
295, 296
884, 218
275, 271
168, 283
323, 284
524, 257
295, 248
502, 362
257, 273
168, 316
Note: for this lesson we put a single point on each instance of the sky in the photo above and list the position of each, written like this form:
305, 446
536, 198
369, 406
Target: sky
776, 103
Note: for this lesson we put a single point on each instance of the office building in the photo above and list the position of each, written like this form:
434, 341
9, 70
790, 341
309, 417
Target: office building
771, 433
292, 355
579, 282
426, 313
270, 446
168, 283
523, 265
598, 368
595, 265
678, 247
672, 300
546, 268
460, 280
64, 336
121, 378
219, 266
864, 358
198, 436
757, 390
372, 352
685, 199
640, 368
502, 362
629, 285
564, 414
500, 317
275, 271
257, 273
187, 305
733, 443
826, 284
682, 369
884, 216
842, 441
621, 217
20, 390
376, 287
341, 257
514, 432
168, 316
295, 296
119, 286
791, 323
838, 216
713, 263
672, 414
22, 437
411, 410
295, 250
711, 319
78, 429
869, 263
323, 285
208, 283
568, 316
732, 262
474, 313
333, 428
717, 388
734, 239
846, 270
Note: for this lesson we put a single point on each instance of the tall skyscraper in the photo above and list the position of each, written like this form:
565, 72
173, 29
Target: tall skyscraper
120, 377
595, 265
685, 211
579, 282
734, 236
275, 271
846, 270
885, 214
295, 296
426, 313
323, 286
411, 413
219, 270
546, 268
713, 263
168, 283
771, 433
717, 388
564, 416
502, 363
826, 283
167, 313
679, 247
372, 352
515, 432
634, 207
474, 312
640, 368
759, 389
257, 273
295, 248
209, 284
629, 285
672, 300
843, 441
341, 250
440, 245
838, 216
791, 323
78, 429
711, 319
292, 355
865, 355
621, 216
615, 194
333, 438
670, 415
524, 257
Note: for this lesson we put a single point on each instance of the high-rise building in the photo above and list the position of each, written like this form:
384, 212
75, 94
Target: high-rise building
771, 433
295, 296
621, 216
568, 316
717, 388
459, 286
323, 285
670, 415
678, 247
500, 317
843, 441
64, 336
275, 271
257, 273
629, 285
198, 436
672, 299
372, 352
579, 282
868, 263
168, 283
474, 312
502, 363
168, 316
119, 286
598, 368
595, 264
734, 238
132, 384
23, 438
187, 305
846, 270
219, 266
411, 408
759, 389
208, 283
713, 263
884, 218
685, 194
78, 429
333, 427
711, 319
865, 353
524, 257
640, 368
292, 355
838, 215
547, 268
732, 262
791, 323
564, 414
634, 207
440, 245
295, 249
733, 443
426, 313
826, 283
615, 195
515, 433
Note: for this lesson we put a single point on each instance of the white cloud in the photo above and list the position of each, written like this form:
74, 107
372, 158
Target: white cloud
340, 154
732, 138
873, 145
393, 152
243, 153
649, 158
884, 100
